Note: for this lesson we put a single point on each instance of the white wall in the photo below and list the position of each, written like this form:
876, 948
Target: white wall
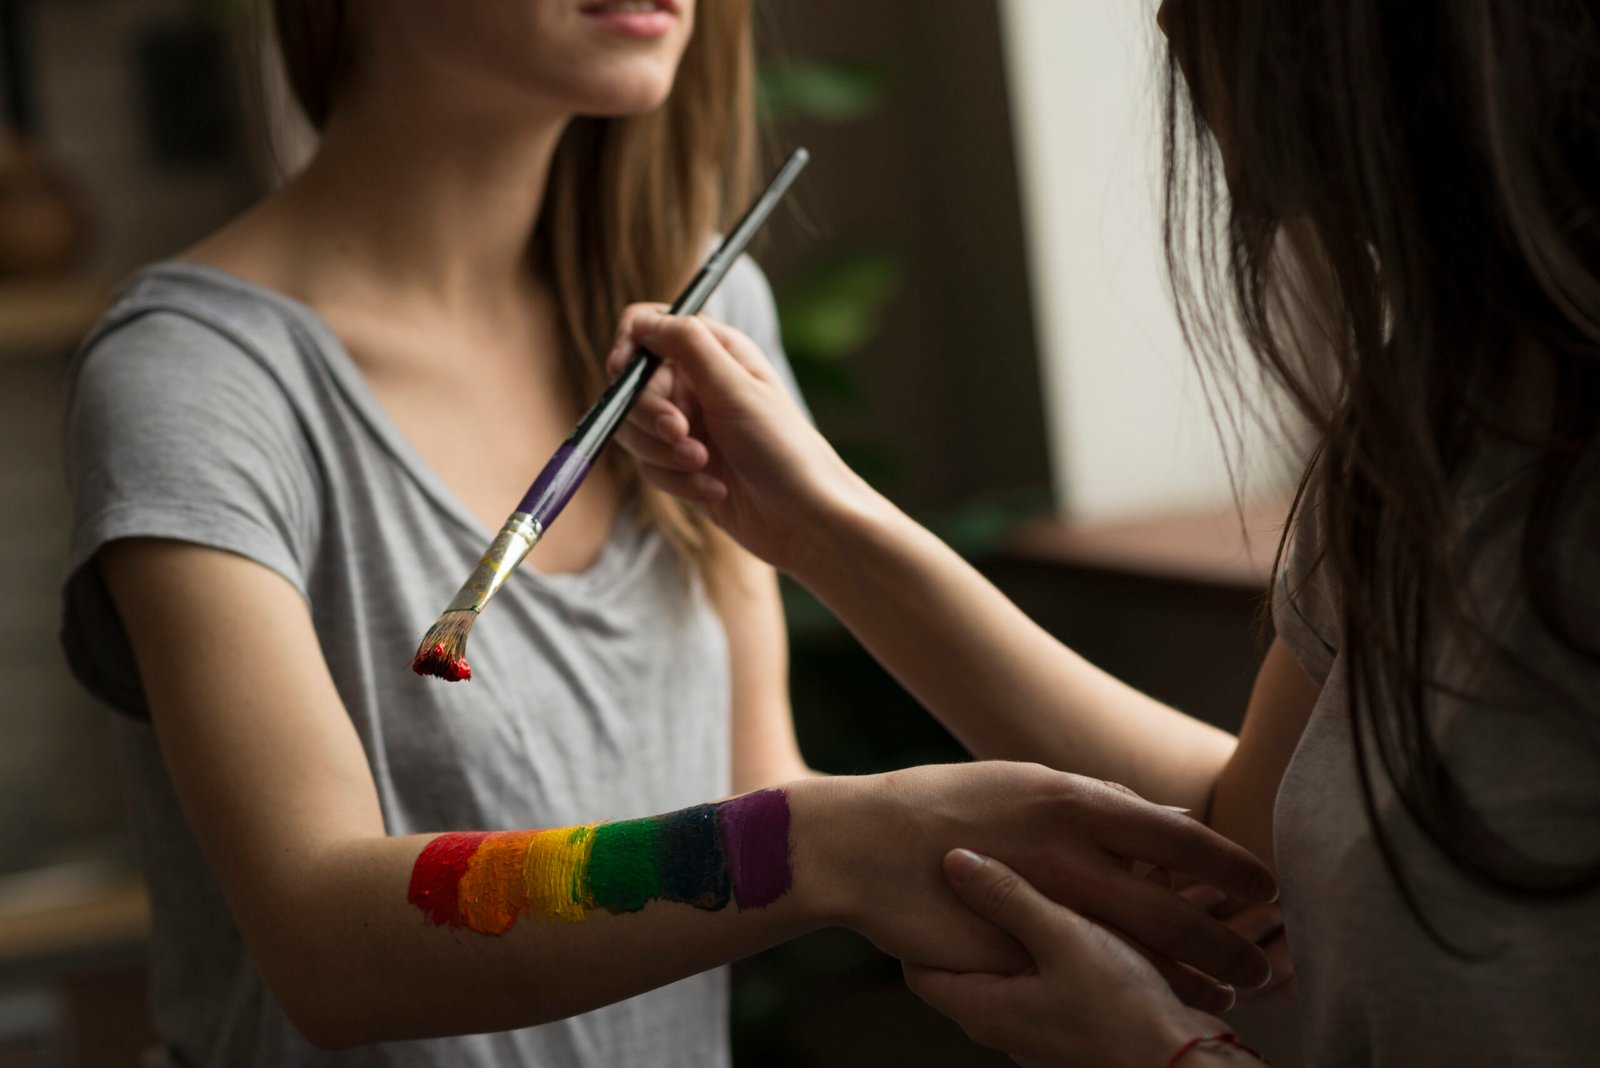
1129, 426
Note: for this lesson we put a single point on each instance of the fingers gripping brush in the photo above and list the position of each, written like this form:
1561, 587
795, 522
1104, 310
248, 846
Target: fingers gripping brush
443, 652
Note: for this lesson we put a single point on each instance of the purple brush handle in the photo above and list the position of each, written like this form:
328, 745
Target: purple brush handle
555, 486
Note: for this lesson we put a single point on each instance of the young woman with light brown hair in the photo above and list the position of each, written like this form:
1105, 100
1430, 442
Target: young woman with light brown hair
287, 447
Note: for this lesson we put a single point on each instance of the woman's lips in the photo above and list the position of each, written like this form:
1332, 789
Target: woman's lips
633, 18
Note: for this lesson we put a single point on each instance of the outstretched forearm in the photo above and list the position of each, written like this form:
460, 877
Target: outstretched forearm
996, 679
477, 931
362, 936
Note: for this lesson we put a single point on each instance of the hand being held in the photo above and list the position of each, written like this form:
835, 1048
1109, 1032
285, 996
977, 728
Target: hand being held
1071, 836
718, 429
1089, 999
1262, 924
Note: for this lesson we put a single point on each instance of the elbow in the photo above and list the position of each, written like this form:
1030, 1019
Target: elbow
320, 991
329, 1023
335, 1023
357, 995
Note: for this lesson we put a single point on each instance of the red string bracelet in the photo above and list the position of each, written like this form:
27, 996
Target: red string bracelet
1222, 1038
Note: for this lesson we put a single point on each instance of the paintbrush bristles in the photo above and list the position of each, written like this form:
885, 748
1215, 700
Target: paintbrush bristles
443, 652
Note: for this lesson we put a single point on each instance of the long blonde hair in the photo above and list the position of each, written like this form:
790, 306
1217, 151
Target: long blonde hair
630, 204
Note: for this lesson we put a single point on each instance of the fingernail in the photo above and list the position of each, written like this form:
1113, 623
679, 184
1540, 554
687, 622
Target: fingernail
1264, 888
1251, 971
961, 863
1178, 808
1222, 998
665, 426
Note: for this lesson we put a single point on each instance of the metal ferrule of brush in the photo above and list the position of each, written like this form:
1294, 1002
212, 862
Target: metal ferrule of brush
519, 535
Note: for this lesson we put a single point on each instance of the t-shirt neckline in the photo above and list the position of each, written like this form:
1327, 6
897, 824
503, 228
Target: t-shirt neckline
342, 366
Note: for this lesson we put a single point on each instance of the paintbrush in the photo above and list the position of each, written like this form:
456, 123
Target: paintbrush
443, 652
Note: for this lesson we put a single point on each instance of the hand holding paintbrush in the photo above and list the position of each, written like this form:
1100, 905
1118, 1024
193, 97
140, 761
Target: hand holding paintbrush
443, 649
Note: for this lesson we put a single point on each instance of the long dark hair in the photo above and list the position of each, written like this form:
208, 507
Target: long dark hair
1410, 247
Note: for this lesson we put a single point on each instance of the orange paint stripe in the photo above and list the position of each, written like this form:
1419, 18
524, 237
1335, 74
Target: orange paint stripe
492, 891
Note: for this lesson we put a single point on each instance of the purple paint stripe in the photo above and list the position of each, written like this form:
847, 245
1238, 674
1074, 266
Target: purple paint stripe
555, 485
755, 836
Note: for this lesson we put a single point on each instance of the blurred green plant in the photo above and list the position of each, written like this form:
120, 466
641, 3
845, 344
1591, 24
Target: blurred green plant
825, 92
833, 307
830, 312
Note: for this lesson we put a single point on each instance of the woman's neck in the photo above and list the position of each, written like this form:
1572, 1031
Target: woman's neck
410, 195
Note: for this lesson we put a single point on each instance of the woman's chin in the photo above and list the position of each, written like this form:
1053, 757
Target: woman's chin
622, 102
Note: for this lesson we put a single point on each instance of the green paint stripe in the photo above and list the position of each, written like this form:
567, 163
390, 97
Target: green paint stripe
624, 865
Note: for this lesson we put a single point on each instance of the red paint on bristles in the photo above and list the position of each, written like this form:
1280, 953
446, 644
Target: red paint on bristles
443, 652
433, 661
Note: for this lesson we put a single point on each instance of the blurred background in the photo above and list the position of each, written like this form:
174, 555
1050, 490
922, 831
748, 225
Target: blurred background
972, 296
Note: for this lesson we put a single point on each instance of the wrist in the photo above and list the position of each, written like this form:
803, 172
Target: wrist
846, 527
825, 812
1201, 1041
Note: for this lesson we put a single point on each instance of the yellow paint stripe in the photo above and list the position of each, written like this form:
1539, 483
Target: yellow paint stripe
554, 872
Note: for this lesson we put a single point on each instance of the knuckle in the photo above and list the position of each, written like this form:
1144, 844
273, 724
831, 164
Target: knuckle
999, 893
695, 328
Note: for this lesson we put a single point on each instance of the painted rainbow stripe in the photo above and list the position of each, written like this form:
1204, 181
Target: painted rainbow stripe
703, 856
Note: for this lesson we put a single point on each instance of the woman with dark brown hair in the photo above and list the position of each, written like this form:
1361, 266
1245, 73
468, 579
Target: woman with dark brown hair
1409, 245
287, 447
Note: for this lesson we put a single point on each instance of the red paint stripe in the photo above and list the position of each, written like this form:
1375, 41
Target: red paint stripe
437, 875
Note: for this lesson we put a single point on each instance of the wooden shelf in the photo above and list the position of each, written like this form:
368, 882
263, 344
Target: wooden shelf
62, 919
40, 317
1217, 548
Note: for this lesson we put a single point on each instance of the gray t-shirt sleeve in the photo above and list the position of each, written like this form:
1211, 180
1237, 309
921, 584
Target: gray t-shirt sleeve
174, 430
744, 301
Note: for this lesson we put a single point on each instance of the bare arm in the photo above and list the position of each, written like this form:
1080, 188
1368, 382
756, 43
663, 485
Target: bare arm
1009, 690
719, 430
274, 781
745, 593
999, 681
1247, 787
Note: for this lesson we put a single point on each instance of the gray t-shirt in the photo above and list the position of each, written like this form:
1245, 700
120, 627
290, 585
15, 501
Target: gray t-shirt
210, 410
1375, 989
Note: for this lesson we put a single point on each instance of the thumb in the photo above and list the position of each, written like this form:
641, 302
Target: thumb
686, 341
1007, 900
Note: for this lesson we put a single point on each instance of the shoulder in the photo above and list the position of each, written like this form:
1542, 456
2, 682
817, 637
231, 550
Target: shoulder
745, 296
177, 334
745, 302
178, 309
186, 373
1305, 602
